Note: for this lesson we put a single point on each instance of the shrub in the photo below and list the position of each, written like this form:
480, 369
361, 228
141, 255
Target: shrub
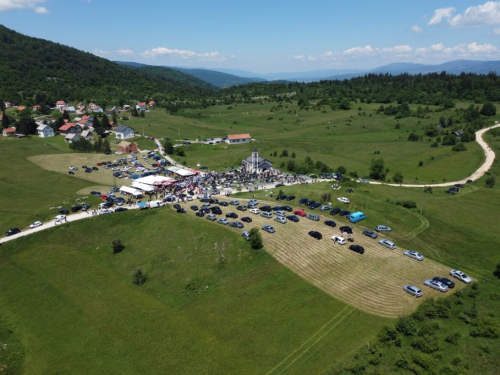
413, 137
387, 335
407, 204
490, 182
138, 277
427, 345
423, 360
256, 239
459, 147
453, 338
406, 325
487, 327
117, 245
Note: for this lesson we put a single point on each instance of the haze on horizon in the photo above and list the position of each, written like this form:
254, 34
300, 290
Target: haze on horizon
265, 37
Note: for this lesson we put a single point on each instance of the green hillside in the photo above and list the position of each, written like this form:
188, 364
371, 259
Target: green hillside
218, 79
33, 70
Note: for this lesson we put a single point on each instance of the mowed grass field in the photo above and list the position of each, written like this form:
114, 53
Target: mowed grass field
210, 305
347, 138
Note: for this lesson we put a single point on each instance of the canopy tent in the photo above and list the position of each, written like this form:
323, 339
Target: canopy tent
153, 180
184, 173
143, 187
131, 191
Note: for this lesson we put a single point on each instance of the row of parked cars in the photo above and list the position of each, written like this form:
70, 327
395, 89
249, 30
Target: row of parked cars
441, 284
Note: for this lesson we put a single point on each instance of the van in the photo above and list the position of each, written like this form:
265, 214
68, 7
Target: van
246, 235
356, 216
103, 206
155, 204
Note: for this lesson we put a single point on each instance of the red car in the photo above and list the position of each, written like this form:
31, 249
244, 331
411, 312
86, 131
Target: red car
99, 164
300, 213
104, 196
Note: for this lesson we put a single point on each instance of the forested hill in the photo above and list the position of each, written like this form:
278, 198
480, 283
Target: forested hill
31, 66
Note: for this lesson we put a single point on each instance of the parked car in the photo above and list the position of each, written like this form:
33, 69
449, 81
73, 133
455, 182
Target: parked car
12, 231
357, 249
236, 224
413, 290
335, 211
181, 211
223, 204
436, 285
290, 198
344, 200
253, 202
211, 217
246, 219
194, 208
267, 215
255, 211
413, 254
85, 207
73, 168
121, 209
300, 213
64, 212
105, 212
234, 203
223, 221
370, 233
313, 217
339, 239
344, 213
314, 205
266, 208
293, 218
200, 214
268, 229
281, 197
460, 276
232, 215
35, 224
325, 208
287, 208
315, 234
382, 228
389, 244
280, 213
242, 208
76, 208
450, 284
246, 235
330, 223
302, 200
346, 229
280, 219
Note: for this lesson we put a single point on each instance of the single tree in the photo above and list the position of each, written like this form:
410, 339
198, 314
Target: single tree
293, 155
497, 271
255, 239
169, 147
105, 122
345, 104
377, 169
139, 277
488, 109
490, 182
106, 147
117, 245
5, 120
398, 178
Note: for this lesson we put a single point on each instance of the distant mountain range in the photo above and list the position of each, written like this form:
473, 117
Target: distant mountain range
231, 77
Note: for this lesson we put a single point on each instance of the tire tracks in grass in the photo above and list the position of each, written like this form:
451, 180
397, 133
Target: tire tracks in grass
312, 341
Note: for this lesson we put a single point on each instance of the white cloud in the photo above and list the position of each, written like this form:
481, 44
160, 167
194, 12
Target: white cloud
183, 54
437, 47
439, 14
416, 29
360, 51
481, 48
125, 52
6, 5
101, 52
298, 57
496, 31
481, 15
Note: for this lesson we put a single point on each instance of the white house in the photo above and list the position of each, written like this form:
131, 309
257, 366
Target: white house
238, 138
87, 134
60, 104
9, 132
45, 131
70, 138
124, 132
141, 106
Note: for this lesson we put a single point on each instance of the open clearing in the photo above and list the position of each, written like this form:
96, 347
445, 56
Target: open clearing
372, 282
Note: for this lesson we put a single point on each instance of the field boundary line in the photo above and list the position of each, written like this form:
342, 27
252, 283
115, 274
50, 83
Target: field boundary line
318, 332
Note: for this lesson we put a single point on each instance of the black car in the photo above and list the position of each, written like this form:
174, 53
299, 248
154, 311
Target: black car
279, 185
177, 206
344, 213
194, 208
12, 231
287, 208
281, 197
314, 205
450, 192
276, 208
216, 210
357, 249
211, 200
224, 204
242, 208
181, 211
293, 218
85, 207
204, 199
246, 219
315, 234
206, 210
115, 189
95, 168
331, 223
121, 209
76, 208
469, 181
290, 198
302, 201
450, 284
88, 170
309, 202
460, 185
266, 208
335, 211
64, 212
71, 173
232, 215
346, 229
200, 214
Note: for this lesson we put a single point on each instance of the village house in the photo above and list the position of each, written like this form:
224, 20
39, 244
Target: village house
124, 132
141, 106
256, 164
127, 147
69, 128
7, 104
9, 132
37, 108
152, 103
60, 104
70, 138
238, 138
45, 131
21, 108
87, 134
126, 107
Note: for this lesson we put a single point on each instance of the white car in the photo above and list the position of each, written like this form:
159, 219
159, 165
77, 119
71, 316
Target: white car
36, 224
344, 200
189, 198
253, 202
460, 276
436, 285
105, 212
73, 168
255, 211
280, 219
339, 239
60, 218
389, 244
413, 254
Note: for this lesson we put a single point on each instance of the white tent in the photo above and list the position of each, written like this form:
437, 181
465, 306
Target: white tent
131, 191
143, 187
150, 180
184, 173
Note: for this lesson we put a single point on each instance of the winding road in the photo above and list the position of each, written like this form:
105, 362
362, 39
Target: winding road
490, 158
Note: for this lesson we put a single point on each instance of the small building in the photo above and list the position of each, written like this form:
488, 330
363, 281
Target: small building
9, 132
458, 133
37, 108
141, 106
87, 134
128, 147
256, 164
70, 138
7, 104
126, 107
152, 104
21, 108
124, 132
69, 128
45, 131
61, 104
238, 138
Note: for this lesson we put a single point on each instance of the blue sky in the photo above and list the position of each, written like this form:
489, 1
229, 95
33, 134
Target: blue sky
265, 36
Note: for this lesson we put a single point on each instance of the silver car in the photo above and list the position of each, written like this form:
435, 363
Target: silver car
211, 217
460, 276
313, 217
223, 221
280, 213
382, 228
267, 215
413, 254
280, 219
325, 208
436, 285
413, 290
389, 244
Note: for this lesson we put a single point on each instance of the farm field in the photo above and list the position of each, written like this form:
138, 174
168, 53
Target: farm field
347, 138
